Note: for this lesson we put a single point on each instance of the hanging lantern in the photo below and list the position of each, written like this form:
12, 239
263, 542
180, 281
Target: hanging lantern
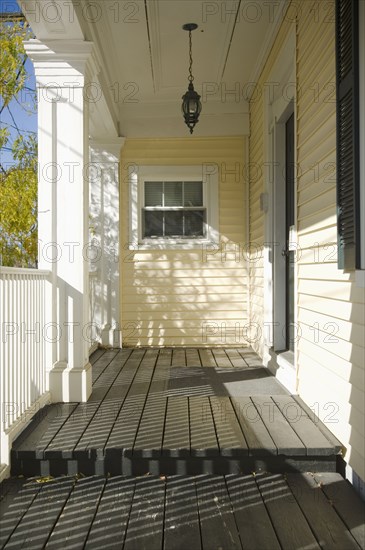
191, 105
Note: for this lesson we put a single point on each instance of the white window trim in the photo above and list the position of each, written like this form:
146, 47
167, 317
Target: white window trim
360, 277
277, 109
139, 174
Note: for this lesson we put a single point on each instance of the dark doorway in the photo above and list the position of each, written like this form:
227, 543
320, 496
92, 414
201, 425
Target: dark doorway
289, 223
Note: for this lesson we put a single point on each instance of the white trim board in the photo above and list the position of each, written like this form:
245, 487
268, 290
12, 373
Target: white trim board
278, 107
139, 174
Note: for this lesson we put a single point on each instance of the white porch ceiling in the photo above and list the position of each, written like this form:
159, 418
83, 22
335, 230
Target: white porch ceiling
143, 53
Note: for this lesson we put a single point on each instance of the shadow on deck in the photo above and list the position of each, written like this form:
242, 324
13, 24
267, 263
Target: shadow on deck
263, 512
189, 412
180, 411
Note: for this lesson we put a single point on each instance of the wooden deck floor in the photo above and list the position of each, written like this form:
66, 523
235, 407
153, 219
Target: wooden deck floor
177, 411
263, 512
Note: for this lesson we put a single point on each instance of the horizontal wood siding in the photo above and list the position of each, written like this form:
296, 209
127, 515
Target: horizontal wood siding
330, 304
188, 297
256, 219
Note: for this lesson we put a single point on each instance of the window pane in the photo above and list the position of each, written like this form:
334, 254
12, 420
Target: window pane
194, 223
153, 223
174, 224
173, 193
153, 193
193, 193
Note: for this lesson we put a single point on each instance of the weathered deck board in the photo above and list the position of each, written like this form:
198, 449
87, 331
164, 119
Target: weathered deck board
313, 439
145, 526
149, 438
235, 358
47, 422
178, 358
182, 529
345, 501
68, 437
230, 437
291, 526
207, 358
39, 520
176, 441
164, 357
321, 426
73, 525
203, 438
262, 512
217, 522
102, 363
98, 430
325, 523
110, 523
192, 358
256, 434
125, 428
253, 521
14, 506
200, 415
286, 440
250, 357
221, 358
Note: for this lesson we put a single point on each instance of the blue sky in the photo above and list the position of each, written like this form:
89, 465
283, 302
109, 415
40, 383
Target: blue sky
22, 110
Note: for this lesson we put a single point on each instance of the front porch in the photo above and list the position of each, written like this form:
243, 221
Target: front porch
177, 411
181, 448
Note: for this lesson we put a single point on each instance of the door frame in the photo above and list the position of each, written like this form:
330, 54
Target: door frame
280, 103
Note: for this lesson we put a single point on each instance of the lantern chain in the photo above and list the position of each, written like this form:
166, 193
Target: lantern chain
190, 78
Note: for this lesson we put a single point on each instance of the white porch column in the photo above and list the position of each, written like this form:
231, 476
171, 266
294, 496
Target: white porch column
104, 233
62, 71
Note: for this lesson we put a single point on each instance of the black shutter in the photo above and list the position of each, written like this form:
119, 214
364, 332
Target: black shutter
348, 165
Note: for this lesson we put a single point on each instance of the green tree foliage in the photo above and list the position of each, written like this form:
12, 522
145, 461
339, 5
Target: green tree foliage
18, 182
12, 60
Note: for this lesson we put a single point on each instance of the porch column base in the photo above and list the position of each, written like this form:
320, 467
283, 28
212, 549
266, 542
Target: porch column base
111, 336
69, 385
281, 365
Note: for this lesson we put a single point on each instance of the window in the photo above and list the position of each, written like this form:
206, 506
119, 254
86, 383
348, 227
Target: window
173, 209
348, 158
173, 206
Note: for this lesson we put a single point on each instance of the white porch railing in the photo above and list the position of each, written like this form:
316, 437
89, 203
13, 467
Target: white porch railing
23, 372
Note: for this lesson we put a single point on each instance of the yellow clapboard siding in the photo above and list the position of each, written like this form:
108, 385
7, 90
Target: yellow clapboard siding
344, 291
188, 286
216, 322
177, 291
183, 282
318, 327
189, 342
333, 385
326, 271
177, 309
318, 220
325, 293
223, 259
331, 342
323, 202
317, 181
344, 310
176, 298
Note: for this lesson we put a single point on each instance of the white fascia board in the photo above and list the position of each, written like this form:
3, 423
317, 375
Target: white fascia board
54, 19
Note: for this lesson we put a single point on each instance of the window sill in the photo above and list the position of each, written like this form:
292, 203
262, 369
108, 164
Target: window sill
174, 245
